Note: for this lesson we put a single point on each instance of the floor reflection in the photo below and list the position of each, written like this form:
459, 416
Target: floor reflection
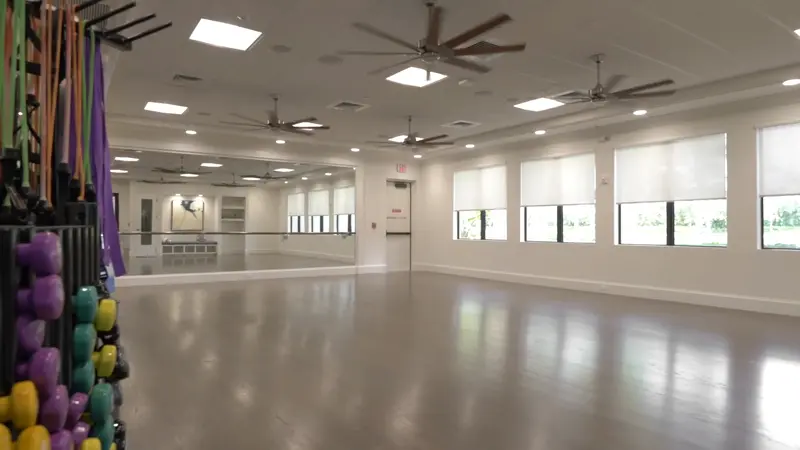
438, 362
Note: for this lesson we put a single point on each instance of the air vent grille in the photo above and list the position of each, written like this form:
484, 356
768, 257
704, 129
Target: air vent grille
347, 105
461, 124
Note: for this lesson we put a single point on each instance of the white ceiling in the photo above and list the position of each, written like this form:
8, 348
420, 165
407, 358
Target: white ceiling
701, 44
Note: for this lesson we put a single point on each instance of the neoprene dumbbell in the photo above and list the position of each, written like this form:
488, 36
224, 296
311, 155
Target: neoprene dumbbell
43, 369
42, 255
33, 438
80, 433
21, 407
106, 315
120, 430
101, 403
83, 377
84, 304
61, 440
54, 409
5, 438
45, 298
105, 361
30, 334
118, 399
105, 432
77, 406
110, 337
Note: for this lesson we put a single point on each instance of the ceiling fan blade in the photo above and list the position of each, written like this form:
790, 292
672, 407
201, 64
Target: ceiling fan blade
644, 87
432, 138
297, 131
384, 68
434, 25
305, 119
489, 50
243, 124
469, 65
367, 53
247, 119
166, 170
645, 95
612, 82
381, 34
490, 24
433, 144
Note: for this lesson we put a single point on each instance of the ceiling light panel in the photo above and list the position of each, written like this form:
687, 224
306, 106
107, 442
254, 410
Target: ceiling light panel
118, 171
283, 170
401, 138
126, 159
190, 175
539, 104
251, 179
414, 76
213, 165
792, 82
307, 125
165, 108
640, 112
225, 35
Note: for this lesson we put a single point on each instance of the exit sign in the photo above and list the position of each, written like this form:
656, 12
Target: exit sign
401, 168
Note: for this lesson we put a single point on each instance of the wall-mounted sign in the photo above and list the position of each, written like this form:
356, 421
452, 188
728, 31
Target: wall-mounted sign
396, 211
401, 168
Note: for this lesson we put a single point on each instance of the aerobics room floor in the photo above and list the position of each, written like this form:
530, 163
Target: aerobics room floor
223, 263
436, 362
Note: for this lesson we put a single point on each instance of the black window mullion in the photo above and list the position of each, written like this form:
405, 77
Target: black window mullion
458, 222
525, 223
619, 223
560, 223
350, 223
761, 214
670, 223
483, 224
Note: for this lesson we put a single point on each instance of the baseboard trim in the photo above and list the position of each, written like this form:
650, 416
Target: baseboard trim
222, 277
331, 256
375, 268
702, 298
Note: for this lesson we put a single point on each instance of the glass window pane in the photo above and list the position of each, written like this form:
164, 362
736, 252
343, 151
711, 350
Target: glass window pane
579, 223
352, 223
541, 223
469, 225
302, 220
341, 223
315, 224
289, 224
326, 224
701, 222
781, 216
643, 223
496, 224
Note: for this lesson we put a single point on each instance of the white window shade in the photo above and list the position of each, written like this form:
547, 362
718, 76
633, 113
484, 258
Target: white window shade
344, 200
779, 160
480, 189
319, 203
296, 204
563, 181
689, 169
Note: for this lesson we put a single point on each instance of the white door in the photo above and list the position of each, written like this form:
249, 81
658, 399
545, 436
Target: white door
144, 245
398, 226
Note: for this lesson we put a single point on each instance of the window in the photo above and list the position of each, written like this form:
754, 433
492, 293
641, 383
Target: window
344, 207
557, 198
319, 207
779, 186
296, 210
479, 204
674, 193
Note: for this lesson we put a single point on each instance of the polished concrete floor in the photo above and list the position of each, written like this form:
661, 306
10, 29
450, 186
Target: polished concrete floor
434, 362
222, 263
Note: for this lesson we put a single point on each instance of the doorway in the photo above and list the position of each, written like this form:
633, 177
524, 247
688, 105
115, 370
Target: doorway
398, 226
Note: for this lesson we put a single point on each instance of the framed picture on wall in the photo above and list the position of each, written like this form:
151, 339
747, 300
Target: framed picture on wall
187, 215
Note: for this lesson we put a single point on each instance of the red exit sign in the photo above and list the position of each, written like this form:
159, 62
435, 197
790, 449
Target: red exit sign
401, 168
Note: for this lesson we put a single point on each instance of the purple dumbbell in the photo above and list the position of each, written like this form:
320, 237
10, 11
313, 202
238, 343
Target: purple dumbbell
30, 333
21, 371
62, 440
77, 406
45, 299
80, 433
53, 410
44, 368
42, 255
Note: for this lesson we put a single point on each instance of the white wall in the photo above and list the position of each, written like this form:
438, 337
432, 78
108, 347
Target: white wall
739, 276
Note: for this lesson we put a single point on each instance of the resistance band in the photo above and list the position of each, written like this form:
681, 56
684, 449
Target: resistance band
88, 96
44, 84
70, 31
3, 124
53, 101
20, 69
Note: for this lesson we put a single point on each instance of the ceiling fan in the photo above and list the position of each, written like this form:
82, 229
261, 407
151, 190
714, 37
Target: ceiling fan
161, 181
431, 48
302, 126
179, 171
414, 141
604, 92
267, 175
232, 184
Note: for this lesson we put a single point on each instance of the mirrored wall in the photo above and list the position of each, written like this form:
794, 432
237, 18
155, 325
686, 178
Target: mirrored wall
182, 213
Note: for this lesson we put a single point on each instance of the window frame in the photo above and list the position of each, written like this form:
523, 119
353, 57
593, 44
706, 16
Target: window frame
296, 220
483, 225
351, 221
761, 224
559, 225
321, 224
669, 221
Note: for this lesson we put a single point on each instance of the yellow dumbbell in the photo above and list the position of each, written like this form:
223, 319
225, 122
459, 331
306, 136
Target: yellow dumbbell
106, 315
21, 407
91, 444
5, 438
105, 360
34, 438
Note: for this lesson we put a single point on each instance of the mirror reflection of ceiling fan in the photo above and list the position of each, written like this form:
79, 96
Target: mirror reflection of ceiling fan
432, 49
179, 171
305, 126
413, 140
161, 181
266, 176
605, 92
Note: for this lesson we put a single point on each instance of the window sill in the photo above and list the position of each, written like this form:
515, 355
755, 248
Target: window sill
718, 247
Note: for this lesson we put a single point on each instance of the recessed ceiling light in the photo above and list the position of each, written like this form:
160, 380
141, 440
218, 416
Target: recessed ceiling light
304, 178
792, 82
640, 112
251, 178
280, 141
539, 104
126, 159
355, 150
164, 108
418, 156
191, 132
211, 165
797, 31
220, 34
470, 146
401, 138
199, 195
327, 174
190, 175
414, 76
283, 170
177, 195
285, 182
540, 132
307, 125
118, 171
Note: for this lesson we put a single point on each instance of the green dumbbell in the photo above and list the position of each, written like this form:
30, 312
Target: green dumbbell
105, 432
83, 377
101, 403
84, 339
84, 304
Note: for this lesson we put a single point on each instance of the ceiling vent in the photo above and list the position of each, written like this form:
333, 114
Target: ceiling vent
461, 124
347, 105
181, 78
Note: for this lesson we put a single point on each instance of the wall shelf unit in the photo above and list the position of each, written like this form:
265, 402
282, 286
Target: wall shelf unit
233, 216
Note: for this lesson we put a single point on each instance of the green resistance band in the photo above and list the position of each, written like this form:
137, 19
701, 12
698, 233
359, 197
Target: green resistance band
20, 67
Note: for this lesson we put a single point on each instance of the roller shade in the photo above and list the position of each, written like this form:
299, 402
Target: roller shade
480, 189
689, 169
296, 204
319, 203
344, 200
779, 160
562, 181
